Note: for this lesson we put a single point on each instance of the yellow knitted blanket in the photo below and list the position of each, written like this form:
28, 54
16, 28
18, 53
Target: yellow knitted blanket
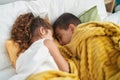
57, 75
95, 49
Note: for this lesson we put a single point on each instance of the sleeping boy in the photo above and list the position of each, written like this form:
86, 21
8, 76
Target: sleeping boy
94, 46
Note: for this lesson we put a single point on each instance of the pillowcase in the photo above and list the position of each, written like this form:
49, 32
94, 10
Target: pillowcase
90, 15
12, 49
75, 7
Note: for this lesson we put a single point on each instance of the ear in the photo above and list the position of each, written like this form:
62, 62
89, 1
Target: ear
42, 31
72, 27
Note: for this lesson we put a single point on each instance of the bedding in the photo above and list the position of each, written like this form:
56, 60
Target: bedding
94, 56
36, 58
48, 8
6, 1
114, 17
90, 15
57, 75
12, 50
96, 52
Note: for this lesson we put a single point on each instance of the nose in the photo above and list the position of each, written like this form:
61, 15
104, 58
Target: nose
61, 43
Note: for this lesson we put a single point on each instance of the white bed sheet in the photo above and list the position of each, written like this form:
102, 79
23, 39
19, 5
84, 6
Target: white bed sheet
114, 17
6, 73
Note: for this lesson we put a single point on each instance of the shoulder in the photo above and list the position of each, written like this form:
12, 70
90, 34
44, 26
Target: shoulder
49, 43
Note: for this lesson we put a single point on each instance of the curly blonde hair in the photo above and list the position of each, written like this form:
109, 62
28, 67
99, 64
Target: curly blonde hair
21, 32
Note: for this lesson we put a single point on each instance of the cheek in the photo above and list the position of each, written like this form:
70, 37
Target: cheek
66, 39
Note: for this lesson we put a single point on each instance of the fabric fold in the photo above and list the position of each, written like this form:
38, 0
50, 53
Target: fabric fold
57, 75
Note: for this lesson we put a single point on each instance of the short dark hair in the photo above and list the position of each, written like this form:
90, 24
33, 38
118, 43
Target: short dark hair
64, 20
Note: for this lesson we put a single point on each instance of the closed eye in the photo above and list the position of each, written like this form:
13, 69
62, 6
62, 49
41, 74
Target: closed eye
58, 38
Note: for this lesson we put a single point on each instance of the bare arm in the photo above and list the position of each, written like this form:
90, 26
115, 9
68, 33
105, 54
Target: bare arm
59, 59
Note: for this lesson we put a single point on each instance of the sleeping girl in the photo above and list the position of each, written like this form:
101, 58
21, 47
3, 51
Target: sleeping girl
38, 51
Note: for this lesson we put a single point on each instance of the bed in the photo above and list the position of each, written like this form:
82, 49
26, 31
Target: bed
43, 8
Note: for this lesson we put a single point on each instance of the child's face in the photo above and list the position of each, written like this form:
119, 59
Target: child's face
63, 36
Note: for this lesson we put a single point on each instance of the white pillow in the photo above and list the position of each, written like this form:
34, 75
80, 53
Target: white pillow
57, 7
6, 1
9, 1
8, 13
